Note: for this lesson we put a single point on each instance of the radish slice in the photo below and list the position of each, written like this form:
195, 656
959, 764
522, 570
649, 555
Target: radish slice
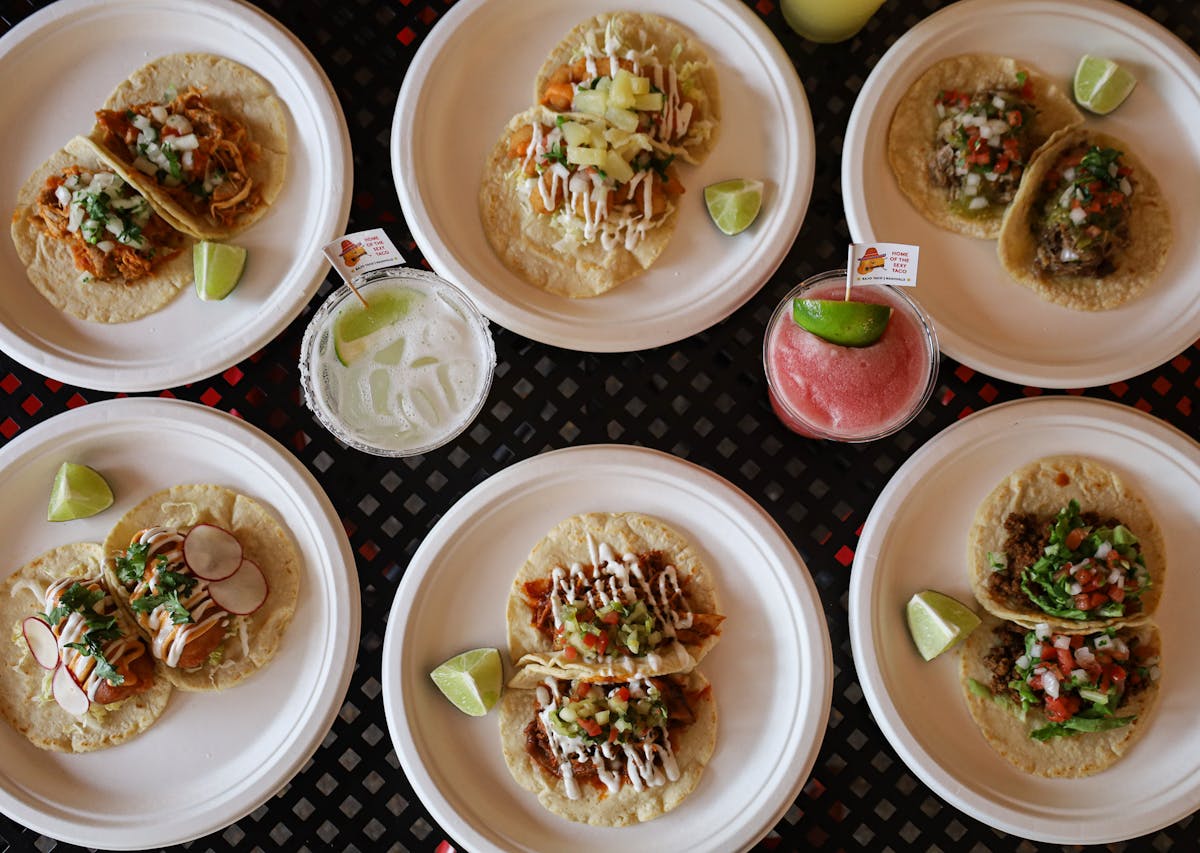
43, 645
212, 552
68, 694
242, 592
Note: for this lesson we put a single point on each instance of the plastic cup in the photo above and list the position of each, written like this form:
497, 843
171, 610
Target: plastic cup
827, 21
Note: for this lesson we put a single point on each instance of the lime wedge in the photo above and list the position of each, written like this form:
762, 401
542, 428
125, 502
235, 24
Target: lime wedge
733, 205
936, 622
217, 268
1101, 85
355, 325
849, 324
471, 681
78, 492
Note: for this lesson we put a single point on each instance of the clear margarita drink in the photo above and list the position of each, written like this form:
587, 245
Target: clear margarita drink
823, 390
404, 376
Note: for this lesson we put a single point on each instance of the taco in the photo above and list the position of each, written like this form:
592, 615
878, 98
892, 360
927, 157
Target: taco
204, 137
114, 686
1060, 705
1063, 540
1089, 228
575, 206
214, 610
610, 754
640, 73
964, 133
604, 596
92, 245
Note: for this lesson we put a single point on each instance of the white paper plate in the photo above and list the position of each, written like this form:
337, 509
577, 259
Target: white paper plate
212, 757
916, 539
771, 673
476, 70
983, 318
69, 57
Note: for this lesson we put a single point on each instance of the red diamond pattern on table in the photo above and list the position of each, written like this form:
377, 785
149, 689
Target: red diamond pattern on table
210, 397
9, 428
406, 36
844, 555
10, 383
233, 375
31, 404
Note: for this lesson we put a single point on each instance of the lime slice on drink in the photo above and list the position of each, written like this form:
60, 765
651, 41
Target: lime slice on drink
1101, 85
937, 622
471, 681
356, 324
849, 324
78, 492
217, 268
733, 205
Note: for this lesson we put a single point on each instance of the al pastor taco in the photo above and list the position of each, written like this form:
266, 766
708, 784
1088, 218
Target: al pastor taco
1060, 705
1089, 228
641, 73
209, 577
610, 754
92, 244
74, 675
1063, 540
201, 135
604, 596
964, 133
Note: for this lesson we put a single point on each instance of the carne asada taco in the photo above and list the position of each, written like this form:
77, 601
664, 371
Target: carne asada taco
74, 674
610, 754
575, 206
1089, 228
203, 136
92, 245
641, 73
1060, 705
209, 577
604, 596
964, 133
1063, 540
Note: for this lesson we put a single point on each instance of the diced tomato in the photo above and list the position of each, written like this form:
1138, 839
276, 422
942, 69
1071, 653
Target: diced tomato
1076, 641
1002, 164
570, 653
1027, 90
1115, 592
602, 644
1116, 673
1083, 577
1049, 652
168, 130
1124, 171
1014, 118
623, 694
612, 617
1095, 206
590, 726
612, 735
1075, 537
1061, 708
581, 691
1066, 660
1035, 682
589, 640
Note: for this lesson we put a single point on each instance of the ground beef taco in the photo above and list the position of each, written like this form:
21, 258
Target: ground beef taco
92, 244
604, 596
610, 754
1060, 705
120, 691
203, 136
1089, 228
215, 610
964, 133
1063, 540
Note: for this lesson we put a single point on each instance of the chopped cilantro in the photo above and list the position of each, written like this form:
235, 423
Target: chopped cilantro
1022, 76
131, 565
557, 154
173, 160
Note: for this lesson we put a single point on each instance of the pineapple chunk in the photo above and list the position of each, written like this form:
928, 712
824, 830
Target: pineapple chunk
640, 85
621, 94
587, 156
616, 168
621, 118
591, 101
598, 138
652, 101
576, 133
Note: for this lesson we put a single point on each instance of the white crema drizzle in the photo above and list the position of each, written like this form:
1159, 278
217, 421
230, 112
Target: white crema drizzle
70, 629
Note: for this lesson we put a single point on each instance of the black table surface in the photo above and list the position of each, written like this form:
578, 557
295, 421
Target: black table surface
702, 399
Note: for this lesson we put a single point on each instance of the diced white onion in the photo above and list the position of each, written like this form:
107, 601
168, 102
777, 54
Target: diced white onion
178, 123
998, 102
144, 165
1104, 642
1041, 630
973, 179
188, 142
74, 218
141, 122
1022, 662
1065, 199
978, 202
1069, 174
1062, 641
1125, 186
106, 246
1084, 656
1079, 675
1074, 589
1035, 651
1050, 684
1068, 254
63, 195
1119, 646
158, 113
113, 225
1078, 215
187, 160
1103, 550
1112, 170
1155, 672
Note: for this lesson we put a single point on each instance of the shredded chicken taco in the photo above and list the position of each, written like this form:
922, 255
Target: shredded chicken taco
209, 577
1089, 228
965, 132
75, 676
203, 136
610, 754
605, 596
1057, 704
92, 244
1065, 541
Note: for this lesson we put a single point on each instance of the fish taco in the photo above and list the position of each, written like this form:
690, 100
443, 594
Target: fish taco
1060, 705
75, 676
964, 133
1089, 228
209, 577
92, 244
610, 754
1064, 540
604, 596
203, 136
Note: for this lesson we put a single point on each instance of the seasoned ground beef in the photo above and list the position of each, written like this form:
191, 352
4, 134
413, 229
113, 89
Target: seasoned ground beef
1008, 644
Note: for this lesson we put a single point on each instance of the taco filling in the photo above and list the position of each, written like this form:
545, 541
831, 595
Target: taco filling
112, 232
1078, 682
1073, 566
198, 155
610, 735
983, 145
